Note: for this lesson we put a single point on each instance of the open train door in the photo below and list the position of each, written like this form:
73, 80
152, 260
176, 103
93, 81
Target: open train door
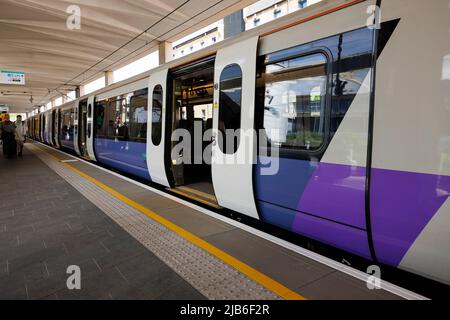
84, 136
157, 99
90, 129
234, 109
55, 128
76, 128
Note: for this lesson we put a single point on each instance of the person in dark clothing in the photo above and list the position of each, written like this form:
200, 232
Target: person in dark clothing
8, 135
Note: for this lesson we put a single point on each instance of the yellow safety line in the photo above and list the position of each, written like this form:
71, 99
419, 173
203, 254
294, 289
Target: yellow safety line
196, 198
244, 268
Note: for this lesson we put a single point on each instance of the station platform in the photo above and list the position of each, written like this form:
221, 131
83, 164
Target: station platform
134, 242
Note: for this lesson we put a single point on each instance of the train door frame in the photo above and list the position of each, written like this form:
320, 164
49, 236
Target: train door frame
90, 129
48, 124
55, 128
48, 128
82, 127
156, 153
191, 103
233, 181
36, 133
42, 127
75, 128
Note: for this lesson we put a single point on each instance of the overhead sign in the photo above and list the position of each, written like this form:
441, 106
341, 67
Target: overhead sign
4, 108
12, 77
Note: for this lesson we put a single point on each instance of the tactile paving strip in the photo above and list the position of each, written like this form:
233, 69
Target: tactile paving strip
212, 277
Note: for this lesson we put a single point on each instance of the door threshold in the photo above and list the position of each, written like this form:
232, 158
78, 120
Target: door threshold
198, 192
196, 195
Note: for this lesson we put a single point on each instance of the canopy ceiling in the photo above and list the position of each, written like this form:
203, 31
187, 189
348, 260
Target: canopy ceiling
34, 38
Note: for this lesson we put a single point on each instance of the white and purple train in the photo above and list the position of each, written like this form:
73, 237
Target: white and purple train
363, 119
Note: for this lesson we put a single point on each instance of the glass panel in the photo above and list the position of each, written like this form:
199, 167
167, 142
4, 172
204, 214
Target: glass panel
157, 115
230, 107
138, 116
100, 114
295, 97
120, 121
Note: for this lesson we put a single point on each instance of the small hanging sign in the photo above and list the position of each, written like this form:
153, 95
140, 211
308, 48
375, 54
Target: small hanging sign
12, 77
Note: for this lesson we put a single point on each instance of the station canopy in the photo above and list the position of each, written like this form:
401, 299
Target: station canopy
35, 38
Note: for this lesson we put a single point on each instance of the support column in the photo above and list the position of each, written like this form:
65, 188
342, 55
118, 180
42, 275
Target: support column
165, 52
233, 24
109, 78
79, 92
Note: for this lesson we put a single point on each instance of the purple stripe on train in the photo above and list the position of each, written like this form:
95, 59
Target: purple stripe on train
402, 204
337, 193
326, 202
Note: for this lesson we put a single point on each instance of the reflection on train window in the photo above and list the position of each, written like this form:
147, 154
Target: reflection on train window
157, 115
100, 110
123, 118
67, 125
346, 85
295, 99
118, 123
230, 108
138, 116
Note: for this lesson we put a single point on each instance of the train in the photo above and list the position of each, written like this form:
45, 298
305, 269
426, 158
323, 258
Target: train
354, 100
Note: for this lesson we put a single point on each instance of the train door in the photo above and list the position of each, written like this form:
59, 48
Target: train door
90, 129
192, 94
233, 125
42, 128
48, 128
156, 141
55, 126
36, 127
76, 128
29, 127
83, 128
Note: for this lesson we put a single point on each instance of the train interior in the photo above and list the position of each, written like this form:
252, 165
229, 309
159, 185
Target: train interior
193, 90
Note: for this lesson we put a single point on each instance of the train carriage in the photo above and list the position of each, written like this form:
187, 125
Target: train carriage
357, 113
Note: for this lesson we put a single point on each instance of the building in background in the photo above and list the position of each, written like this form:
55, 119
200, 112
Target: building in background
268, 10
250, 17
233, 24
198, 40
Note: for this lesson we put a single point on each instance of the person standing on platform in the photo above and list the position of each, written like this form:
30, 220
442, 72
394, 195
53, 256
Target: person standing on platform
8, 132
20, 135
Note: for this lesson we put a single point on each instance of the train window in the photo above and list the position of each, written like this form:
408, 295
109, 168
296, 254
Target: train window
118, 124
123, 118
99, 119
157, 115
346, 86
67, 125
230, 108
138, 116
295, 100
